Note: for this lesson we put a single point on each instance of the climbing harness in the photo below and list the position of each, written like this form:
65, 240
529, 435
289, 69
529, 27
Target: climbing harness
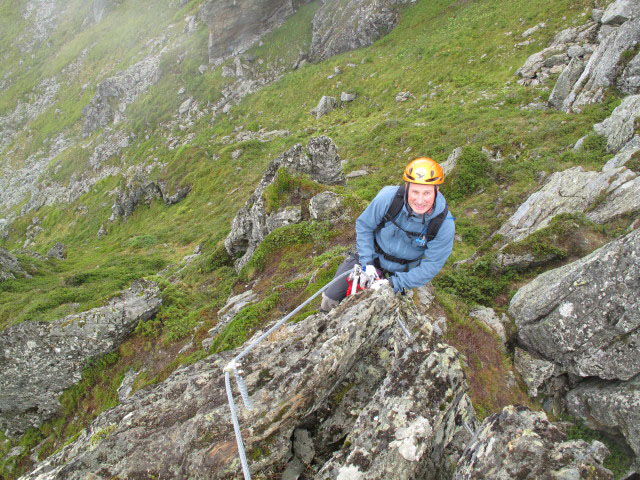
234, 367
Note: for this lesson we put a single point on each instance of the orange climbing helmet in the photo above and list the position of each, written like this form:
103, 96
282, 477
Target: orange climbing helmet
424, 171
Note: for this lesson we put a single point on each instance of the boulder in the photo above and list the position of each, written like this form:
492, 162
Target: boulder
319, 160
452, 160
625, 154
58, 251
317, 387
347, 97
620, 11
9, 265
226, 314
325, 105
612, 407
603, 196
566, 81
535, 372
584, 316
603, 67
39, 360
489, 317
325, 206
340, 26
519, 443
619, 127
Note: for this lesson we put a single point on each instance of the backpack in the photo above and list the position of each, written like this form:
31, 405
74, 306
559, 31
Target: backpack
394, 208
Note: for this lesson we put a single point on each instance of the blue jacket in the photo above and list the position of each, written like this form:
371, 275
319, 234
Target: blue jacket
398, 244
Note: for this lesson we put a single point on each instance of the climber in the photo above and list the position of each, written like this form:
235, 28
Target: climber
403, 237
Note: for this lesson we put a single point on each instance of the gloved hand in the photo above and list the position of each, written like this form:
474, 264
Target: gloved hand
357, 280
372, 272
379, 283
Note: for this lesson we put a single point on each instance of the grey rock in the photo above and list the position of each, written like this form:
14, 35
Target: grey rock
535, 371
226, 314
9, 265
403, 96
603, 195
629, 80
575, 51
596, 15
519, 443
489, 317
612, 407
566, 81
126, 387
319, 160
185, 106
533, 66
58, 251
203, 68
121, 89
235, 26
522, 261
235, 155
584, 316
325, 206
136, 193
620, 11
530, 31
619, 127
341, 27
401, 404
357, 173
347, 97
602, 68
452, 160
41, 359
625, 154
284, 216
102, 232
325, 105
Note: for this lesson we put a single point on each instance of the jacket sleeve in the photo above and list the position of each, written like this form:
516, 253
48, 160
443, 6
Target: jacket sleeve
368, 221
438, 250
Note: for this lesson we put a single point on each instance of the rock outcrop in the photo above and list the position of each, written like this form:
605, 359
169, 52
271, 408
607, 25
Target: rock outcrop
519, 443
236, 25
357, 397
342, 26
9, 265
584, 315
39, 360
590, 59
619, 128
137, 193
252, 224
121, 89
603, 196
612, 407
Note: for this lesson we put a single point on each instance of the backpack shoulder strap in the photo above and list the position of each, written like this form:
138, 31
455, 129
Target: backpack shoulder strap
394, 208
435, 223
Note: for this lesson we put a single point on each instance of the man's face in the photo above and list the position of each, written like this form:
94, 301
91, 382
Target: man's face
421, 197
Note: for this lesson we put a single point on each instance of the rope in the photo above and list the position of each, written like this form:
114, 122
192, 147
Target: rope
236, 427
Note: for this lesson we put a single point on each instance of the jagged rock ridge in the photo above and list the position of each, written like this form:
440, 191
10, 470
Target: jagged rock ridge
39, 360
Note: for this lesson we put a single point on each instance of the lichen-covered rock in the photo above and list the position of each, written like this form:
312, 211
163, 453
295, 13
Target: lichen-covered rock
325, 105
603, 68
325, 206
136, 193
584, 316
620, 11
535, 372
619, 127
613, 407
250, 226
39, 360
603, 196
343, 26
9, 265
489, 317
332, 375
519, 443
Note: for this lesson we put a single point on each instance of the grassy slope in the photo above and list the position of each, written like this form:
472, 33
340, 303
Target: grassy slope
457, 59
